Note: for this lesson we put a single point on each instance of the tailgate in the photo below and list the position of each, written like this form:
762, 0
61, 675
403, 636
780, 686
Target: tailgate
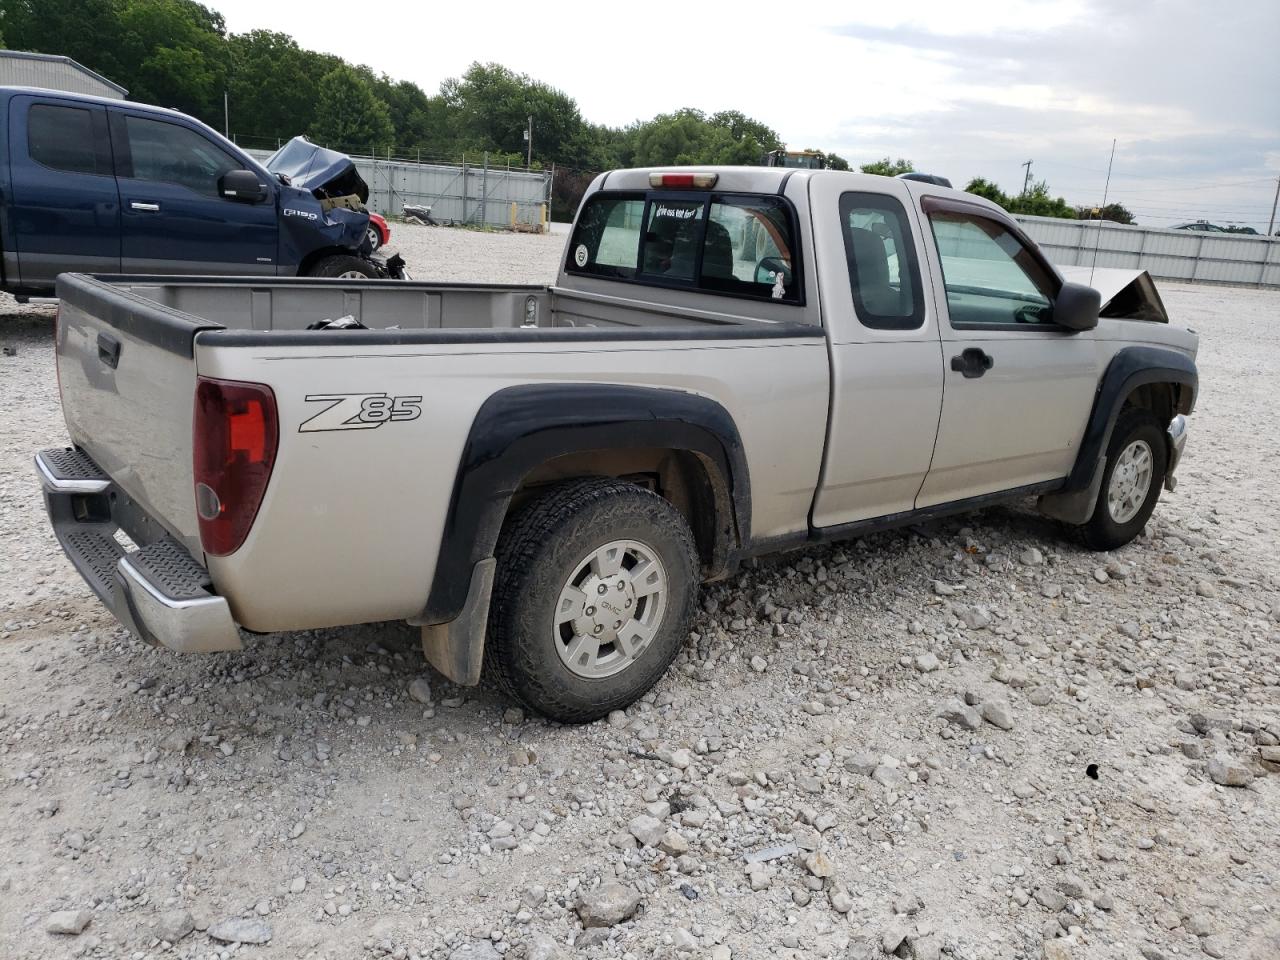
127, 372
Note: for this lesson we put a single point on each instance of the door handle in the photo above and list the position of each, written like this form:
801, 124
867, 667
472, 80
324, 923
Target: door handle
973, 362
109, 350
139, 205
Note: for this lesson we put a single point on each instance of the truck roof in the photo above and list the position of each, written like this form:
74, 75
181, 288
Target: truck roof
771, 179
8, 92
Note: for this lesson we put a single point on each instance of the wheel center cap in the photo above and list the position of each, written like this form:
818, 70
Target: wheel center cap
610, 603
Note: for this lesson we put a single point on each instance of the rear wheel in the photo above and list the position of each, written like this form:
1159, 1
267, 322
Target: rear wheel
1136, 463
595, 588
343, 267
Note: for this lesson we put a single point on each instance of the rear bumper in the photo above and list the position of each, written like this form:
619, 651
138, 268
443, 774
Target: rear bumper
158, 590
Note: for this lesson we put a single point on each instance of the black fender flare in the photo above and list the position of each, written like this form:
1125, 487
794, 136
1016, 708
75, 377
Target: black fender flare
1130, 368
518, 429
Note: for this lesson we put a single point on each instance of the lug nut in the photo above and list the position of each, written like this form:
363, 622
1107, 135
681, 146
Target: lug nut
597, 629
628, 604
590, 611
601, 589
617, 624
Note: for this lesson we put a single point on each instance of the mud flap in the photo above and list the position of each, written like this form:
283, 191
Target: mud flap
1075, 507
456, 648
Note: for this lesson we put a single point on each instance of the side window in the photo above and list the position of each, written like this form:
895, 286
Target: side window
169, 153
991, 278
62, 138
736, 245
883, 273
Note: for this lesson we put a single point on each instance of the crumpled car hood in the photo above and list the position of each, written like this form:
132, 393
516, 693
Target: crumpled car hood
314, 168
1126, 294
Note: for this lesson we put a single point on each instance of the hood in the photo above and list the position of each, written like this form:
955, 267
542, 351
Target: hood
1126, 294
326, 173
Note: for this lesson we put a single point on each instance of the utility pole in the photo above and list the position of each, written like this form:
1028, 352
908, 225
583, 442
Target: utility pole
1026, 181
226, 115
1272, 224
528, 135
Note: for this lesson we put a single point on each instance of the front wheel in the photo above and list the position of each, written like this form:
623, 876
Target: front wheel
375, 238
1136, 464
595, 588
344, 267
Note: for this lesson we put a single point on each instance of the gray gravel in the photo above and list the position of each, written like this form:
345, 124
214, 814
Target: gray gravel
970, 739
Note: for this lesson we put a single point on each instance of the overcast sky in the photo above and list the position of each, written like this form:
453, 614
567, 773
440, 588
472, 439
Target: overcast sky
1190, 89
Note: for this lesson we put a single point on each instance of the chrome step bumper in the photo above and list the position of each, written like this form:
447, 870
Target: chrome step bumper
159, 591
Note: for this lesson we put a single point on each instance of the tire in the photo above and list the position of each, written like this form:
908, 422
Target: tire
375, 238
344, 266
1137, 449
573, 537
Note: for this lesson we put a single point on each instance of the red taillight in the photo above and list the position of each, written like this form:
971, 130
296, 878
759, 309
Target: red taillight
234, 438
703, 181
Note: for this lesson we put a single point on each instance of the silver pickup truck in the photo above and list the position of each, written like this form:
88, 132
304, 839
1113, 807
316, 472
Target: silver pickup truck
732, 361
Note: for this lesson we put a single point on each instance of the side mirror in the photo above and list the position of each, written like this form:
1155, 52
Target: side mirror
242, 185
1077, 307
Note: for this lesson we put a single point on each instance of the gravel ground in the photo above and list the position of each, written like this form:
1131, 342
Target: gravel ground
970, 739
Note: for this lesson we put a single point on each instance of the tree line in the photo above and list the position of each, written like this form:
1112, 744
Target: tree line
178, 53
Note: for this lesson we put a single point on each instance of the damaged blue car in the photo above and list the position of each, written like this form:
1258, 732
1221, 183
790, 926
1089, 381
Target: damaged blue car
96, 185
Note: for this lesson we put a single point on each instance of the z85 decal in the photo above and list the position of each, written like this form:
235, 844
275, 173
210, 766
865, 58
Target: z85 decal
359, 411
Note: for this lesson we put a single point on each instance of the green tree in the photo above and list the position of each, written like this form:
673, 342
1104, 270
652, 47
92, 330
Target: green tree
836, 162
493, 105
272, 85
888, 167
689, 136
170, 52
982, 187
88, 31
177, 51
349, 116
1036, 202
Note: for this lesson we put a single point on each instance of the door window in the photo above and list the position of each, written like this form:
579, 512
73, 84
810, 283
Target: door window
62, 138
168, 153
883, 274
991, 277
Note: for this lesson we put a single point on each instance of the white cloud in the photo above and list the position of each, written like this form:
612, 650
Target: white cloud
966, 89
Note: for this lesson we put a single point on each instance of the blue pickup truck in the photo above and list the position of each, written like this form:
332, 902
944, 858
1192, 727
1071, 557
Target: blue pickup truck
90, 185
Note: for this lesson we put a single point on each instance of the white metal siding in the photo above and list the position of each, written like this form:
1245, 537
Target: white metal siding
17, 70
1169, 254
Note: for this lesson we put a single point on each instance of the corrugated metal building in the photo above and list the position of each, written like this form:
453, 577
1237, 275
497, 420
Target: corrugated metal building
1191, 255
20, 69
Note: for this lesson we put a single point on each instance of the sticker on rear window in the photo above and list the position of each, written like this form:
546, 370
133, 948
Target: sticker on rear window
580, 255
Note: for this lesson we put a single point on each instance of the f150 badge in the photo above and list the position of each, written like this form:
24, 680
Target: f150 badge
359, 411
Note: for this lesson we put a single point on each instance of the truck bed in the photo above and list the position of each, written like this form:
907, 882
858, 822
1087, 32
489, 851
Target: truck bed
403, 308
349, 529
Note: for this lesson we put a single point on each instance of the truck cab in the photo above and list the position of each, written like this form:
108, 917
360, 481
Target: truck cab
107, 186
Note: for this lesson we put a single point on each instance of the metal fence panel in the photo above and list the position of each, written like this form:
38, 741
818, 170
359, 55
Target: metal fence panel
1170, 254
464, 193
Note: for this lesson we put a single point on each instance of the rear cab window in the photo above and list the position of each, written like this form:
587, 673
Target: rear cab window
739, 245
63, 138
884, 277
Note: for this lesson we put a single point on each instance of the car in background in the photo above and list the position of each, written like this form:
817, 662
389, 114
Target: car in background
1204, 226
379, 233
